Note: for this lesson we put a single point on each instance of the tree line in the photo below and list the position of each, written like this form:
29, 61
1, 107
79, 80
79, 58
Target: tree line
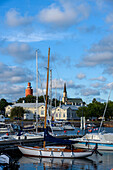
96, 109
93, 109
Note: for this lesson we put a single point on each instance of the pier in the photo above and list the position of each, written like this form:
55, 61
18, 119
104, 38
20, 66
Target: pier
11, 145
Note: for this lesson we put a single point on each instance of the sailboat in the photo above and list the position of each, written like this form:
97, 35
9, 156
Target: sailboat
103, 139
63, 151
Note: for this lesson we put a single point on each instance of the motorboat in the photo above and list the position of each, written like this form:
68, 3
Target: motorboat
28, 135
56, 128
64, 150
4, 159
4, 128
6, 137
68, 127
6, 162
104, 141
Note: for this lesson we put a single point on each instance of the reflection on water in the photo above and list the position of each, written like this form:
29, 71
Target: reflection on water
57, 163
95, 162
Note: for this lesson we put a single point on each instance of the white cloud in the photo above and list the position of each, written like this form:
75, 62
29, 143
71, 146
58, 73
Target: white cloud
20, 51
14, 19
96, 85
99, 54
65, 15
101, 78
109, 19
81, 76
90, 92
109, 85
12, 92
14, 74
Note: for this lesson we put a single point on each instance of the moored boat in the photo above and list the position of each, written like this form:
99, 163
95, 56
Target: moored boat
104, 141
54, 152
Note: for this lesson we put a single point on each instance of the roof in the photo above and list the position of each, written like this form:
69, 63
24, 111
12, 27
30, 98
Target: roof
27, 105
73, 107
74, 100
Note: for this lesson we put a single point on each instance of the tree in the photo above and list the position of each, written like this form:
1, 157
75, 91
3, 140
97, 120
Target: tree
109, 110
82, 111
17, 112
95, 109
3, 104
57, 102
31, 99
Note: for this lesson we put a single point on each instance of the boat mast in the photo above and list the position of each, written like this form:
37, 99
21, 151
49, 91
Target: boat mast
46, 94
105, 110
36, 91
50, 96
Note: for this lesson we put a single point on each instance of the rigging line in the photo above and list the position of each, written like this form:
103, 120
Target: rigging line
105, 110
41, 85
58, 75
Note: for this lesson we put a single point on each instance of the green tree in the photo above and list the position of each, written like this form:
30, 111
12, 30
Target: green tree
31, 99
82, 111
17, 112
109, 110
96, 109
57, 102
3, 104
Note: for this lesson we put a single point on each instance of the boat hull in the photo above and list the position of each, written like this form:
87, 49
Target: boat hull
90, 145
53, 152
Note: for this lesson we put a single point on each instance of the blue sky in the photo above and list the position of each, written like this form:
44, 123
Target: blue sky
80, 37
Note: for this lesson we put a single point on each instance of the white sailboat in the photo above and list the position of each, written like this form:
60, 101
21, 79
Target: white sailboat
54, 151
103, 139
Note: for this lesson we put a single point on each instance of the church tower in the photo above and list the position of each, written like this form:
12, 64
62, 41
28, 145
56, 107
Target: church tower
29, 90
64, 99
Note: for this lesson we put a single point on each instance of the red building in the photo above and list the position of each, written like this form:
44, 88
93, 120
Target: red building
29, 90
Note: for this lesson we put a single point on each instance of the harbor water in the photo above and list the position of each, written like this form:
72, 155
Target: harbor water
95, 162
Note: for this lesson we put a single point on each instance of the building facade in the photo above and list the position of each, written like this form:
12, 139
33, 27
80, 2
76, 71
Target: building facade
64, 112
70, 101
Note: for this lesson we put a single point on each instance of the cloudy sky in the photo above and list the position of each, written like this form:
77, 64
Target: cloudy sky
80, 37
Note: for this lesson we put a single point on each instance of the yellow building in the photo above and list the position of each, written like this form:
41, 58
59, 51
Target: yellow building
28, 107
65, 112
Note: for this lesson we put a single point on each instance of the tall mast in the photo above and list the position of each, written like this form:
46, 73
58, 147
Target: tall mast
46, 93
50, 93
36, 91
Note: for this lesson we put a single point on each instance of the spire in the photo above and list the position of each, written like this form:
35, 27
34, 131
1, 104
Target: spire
65, 87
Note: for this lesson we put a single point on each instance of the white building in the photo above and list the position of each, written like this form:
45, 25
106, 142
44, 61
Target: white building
65, 112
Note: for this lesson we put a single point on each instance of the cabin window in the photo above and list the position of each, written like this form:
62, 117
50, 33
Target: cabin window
56, 115
59, 115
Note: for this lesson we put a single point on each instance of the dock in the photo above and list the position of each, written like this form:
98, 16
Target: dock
12, 145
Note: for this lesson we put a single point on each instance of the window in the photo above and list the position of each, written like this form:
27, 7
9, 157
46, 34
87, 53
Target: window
63, 114
56, 114
59, 115
42, 112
